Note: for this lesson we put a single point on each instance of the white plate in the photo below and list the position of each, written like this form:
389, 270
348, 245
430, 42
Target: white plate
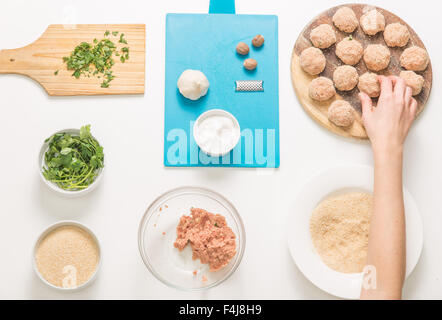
332, 182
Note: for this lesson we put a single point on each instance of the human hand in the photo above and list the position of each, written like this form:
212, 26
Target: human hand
387, 125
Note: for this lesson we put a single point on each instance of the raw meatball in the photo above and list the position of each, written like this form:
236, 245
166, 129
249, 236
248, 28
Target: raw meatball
313, 61
341, 113
323, 36
413, 80
369, 84
322, 89
377, 57
345, 20
396, 35
373, 22
345, 78
349, 51
415, 59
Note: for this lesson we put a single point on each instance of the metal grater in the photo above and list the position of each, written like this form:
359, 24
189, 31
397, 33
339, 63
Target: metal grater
249, 85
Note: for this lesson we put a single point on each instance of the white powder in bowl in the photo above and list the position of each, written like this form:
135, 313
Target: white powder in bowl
217, 134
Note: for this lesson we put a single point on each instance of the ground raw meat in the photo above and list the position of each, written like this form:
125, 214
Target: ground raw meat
341, 113
212, 241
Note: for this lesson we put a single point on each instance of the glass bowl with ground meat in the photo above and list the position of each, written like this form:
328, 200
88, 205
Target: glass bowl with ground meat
191, 238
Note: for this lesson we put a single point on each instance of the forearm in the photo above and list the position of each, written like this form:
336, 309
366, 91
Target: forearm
386, 248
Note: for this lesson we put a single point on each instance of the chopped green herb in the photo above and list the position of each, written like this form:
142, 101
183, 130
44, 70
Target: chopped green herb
73, 161
56, 72
93, 59
125, 53
122, 40
114, 33
350, 37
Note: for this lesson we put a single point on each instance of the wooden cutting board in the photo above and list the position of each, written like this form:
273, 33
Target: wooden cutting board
301, 80
42, 58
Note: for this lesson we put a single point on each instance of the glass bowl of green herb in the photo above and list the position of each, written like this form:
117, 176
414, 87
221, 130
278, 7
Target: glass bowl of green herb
71, 162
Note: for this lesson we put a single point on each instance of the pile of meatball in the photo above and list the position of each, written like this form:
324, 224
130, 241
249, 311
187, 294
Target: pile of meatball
350, 51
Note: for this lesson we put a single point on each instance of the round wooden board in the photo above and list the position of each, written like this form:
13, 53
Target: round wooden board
301, 80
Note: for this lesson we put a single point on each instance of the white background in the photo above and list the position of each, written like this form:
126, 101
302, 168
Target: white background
131, 130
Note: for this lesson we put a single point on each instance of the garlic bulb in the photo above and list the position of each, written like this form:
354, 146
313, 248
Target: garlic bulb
193, 84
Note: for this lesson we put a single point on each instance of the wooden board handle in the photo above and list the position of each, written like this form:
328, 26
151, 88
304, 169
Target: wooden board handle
23, 60
11, 61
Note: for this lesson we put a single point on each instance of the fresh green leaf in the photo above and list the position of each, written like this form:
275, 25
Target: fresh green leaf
85, 132
122, 40
65, 151
73, 161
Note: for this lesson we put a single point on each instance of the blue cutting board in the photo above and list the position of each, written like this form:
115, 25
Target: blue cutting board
207, 42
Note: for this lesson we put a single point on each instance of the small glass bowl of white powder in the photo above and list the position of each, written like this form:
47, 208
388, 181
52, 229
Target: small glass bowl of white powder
216, 132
